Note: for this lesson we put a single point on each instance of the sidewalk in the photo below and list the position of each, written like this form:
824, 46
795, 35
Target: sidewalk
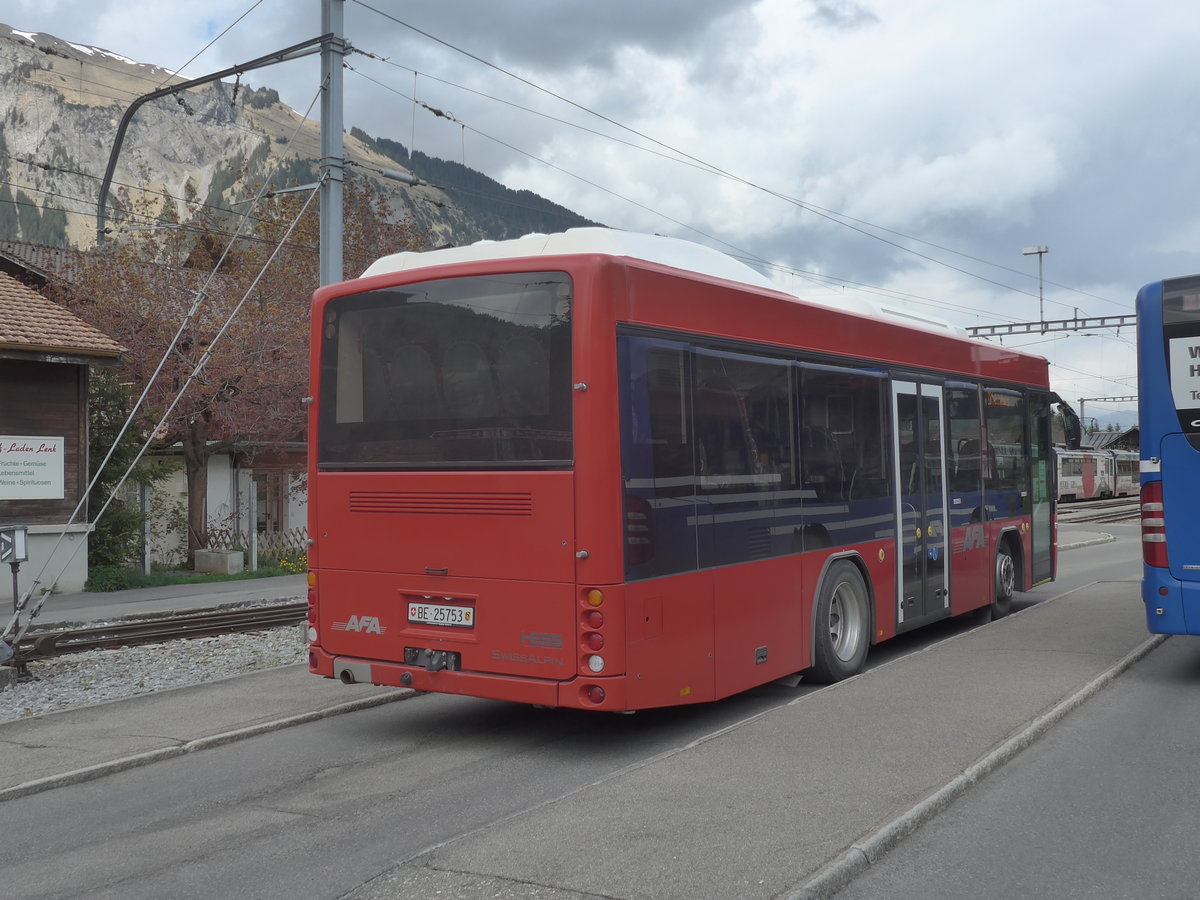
82, 744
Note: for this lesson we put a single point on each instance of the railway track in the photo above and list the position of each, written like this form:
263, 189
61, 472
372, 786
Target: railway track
46, 644
1123, 509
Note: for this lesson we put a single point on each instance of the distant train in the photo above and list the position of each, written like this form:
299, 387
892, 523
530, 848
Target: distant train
1096, 474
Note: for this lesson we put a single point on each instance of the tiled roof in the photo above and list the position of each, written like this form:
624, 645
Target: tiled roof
45, 262
28, 321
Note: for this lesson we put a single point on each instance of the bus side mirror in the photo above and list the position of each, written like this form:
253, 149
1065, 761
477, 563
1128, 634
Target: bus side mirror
1072, 428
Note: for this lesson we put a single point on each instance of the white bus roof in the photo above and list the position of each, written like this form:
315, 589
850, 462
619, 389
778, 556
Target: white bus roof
667, 251
607, 241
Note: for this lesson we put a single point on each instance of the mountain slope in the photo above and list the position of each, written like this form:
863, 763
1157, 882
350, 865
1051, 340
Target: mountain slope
60, 104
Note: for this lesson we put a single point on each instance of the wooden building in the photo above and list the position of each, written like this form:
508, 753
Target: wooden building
45, 356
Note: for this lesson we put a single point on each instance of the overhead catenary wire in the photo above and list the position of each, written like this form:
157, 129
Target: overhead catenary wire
710, 237
695, 162
228, 28
831, 215
737, 251
678, 156
857, 225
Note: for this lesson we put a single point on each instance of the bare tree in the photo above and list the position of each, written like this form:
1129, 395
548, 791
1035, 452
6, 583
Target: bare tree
141, 288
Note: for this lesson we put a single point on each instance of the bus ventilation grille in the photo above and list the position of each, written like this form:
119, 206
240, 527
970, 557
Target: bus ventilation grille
439, 503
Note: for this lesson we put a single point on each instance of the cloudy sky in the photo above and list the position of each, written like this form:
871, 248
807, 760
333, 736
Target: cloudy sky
867, 147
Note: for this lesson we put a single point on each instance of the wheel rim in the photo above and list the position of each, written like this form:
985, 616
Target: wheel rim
846, 621
1006, 575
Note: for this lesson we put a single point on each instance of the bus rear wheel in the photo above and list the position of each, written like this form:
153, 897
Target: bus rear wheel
843, 625
1006, 581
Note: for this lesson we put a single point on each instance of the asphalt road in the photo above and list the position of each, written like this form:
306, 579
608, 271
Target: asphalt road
1103, 808
334, 807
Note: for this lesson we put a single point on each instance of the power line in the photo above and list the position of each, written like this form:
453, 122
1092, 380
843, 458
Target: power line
206, 47
830, 215
694, 162
738, 252
193, 203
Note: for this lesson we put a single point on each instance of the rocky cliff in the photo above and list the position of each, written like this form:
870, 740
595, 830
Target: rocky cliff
61, 103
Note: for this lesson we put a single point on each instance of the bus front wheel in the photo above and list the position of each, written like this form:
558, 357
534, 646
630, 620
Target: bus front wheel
1006, 581
843, 624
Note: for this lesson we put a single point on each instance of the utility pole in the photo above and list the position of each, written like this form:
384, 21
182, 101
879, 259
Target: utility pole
306, 48
1040, 251
333, 163
1083, 401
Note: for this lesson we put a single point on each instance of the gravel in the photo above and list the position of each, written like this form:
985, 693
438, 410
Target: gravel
97, 676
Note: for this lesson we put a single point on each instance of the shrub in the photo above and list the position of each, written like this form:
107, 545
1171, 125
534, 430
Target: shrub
108, 578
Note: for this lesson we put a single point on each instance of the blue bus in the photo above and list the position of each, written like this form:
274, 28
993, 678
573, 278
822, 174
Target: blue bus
1168, 315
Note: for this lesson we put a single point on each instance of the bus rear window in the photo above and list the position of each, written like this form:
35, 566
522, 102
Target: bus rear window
457, 373
1181, 301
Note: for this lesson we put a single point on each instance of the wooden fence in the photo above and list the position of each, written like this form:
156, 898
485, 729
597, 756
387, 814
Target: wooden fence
273, 546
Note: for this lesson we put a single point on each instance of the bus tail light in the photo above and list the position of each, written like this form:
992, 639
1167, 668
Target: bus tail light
639, 531
1154, 532
312, 608
593, 693
591, 637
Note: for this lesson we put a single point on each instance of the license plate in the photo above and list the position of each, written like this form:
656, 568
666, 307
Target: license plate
441, 614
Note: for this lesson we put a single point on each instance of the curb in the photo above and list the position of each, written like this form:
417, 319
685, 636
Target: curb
89, 773
863, 853
1103, 538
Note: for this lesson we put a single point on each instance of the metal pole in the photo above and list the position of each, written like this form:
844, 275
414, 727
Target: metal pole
1041, 250
1041, 299
333, 50
252, 522
147, 545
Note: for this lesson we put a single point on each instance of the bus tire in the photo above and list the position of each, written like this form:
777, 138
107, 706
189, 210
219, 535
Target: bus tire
1006, 581
843, 625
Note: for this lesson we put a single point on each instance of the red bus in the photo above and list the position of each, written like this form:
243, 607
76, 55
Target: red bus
615, 471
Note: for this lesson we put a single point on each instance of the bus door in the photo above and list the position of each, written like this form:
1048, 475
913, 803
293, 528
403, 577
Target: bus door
922, 587
1041, 472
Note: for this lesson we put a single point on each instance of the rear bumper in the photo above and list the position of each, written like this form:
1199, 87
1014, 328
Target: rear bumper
1172, 606
536, 691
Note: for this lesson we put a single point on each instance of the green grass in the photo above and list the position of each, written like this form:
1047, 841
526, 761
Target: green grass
111, 578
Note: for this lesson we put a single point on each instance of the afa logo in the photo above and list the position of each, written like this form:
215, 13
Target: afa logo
361, 625
974, 538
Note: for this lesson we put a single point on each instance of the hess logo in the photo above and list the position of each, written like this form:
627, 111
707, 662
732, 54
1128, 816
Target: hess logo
361, 625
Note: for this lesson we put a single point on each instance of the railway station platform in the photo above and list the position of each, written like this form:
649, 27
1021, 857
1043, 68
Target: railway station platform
794, 801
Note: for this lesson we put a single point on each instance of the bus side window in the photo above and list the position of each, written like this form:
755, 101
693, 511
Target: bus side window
723, 430
967, 468
770, 425
668, 405
821, 462
743, 423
